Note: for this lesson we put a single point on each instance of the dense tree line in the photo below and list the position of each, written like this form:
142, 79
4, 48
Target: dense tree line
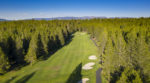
26, 42
124, 44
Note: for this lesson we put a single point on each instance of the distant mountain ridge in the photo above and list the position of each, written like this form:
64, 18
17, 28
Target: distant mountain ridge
59, 18
70, 18
2, 19
67, 18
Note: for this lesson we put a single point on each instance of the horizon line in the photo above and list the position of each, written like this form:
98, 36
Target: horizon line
92, 17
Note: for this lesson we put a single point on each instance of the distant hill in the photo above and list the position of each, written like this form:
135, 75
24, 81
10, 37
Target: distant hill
70, 18
2, 19
67, 18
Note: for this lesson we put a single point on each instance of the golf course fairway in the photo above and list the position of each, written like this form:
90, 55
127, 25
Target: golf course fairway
64, 66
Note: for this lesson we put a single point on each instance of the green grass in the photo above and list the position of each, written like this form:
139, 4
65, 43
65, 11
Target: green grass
59, 67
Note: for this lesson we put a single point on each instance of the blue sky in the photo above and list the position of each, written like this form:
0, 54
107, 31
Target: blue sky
24, 9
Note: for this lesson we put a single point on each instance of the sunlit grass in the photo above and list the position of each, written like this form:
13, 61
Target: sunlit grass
59, 67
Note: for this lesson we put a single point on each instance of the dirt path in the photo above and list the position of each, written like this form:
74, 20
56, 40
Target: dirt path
98, 76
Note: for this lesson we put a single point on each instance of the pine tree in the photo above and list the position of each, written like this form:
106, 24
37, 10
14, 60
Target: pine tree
31, 56
129, 75
4, 63
108, 66
120, 50
123, 78
61, 37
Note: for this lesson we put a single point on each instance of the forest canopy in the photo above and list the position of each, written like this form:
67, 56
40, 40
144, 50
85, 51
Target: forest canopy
124, 44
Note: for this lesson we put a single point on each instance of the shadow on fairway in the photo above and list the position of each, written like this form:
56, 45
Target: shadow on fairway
55, 45
9, 81
76, 75
25, 78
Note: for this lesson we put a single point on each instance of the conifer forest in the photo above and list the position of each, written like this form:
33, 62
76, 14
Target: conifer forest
122, 44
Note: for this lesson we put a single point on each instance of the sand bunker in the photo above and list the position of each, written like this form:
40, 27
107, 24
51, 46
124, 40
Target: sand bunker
88, 66
84, 80
92, 57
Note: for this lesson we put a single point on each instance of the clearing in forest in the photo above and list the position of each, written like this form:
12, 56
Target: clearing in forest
65, 66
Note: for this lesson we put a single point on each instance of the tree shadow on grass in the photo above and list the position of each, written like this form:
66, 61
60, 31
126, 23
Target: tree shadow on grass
76, 75
54, 44
9, 80
25, 78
